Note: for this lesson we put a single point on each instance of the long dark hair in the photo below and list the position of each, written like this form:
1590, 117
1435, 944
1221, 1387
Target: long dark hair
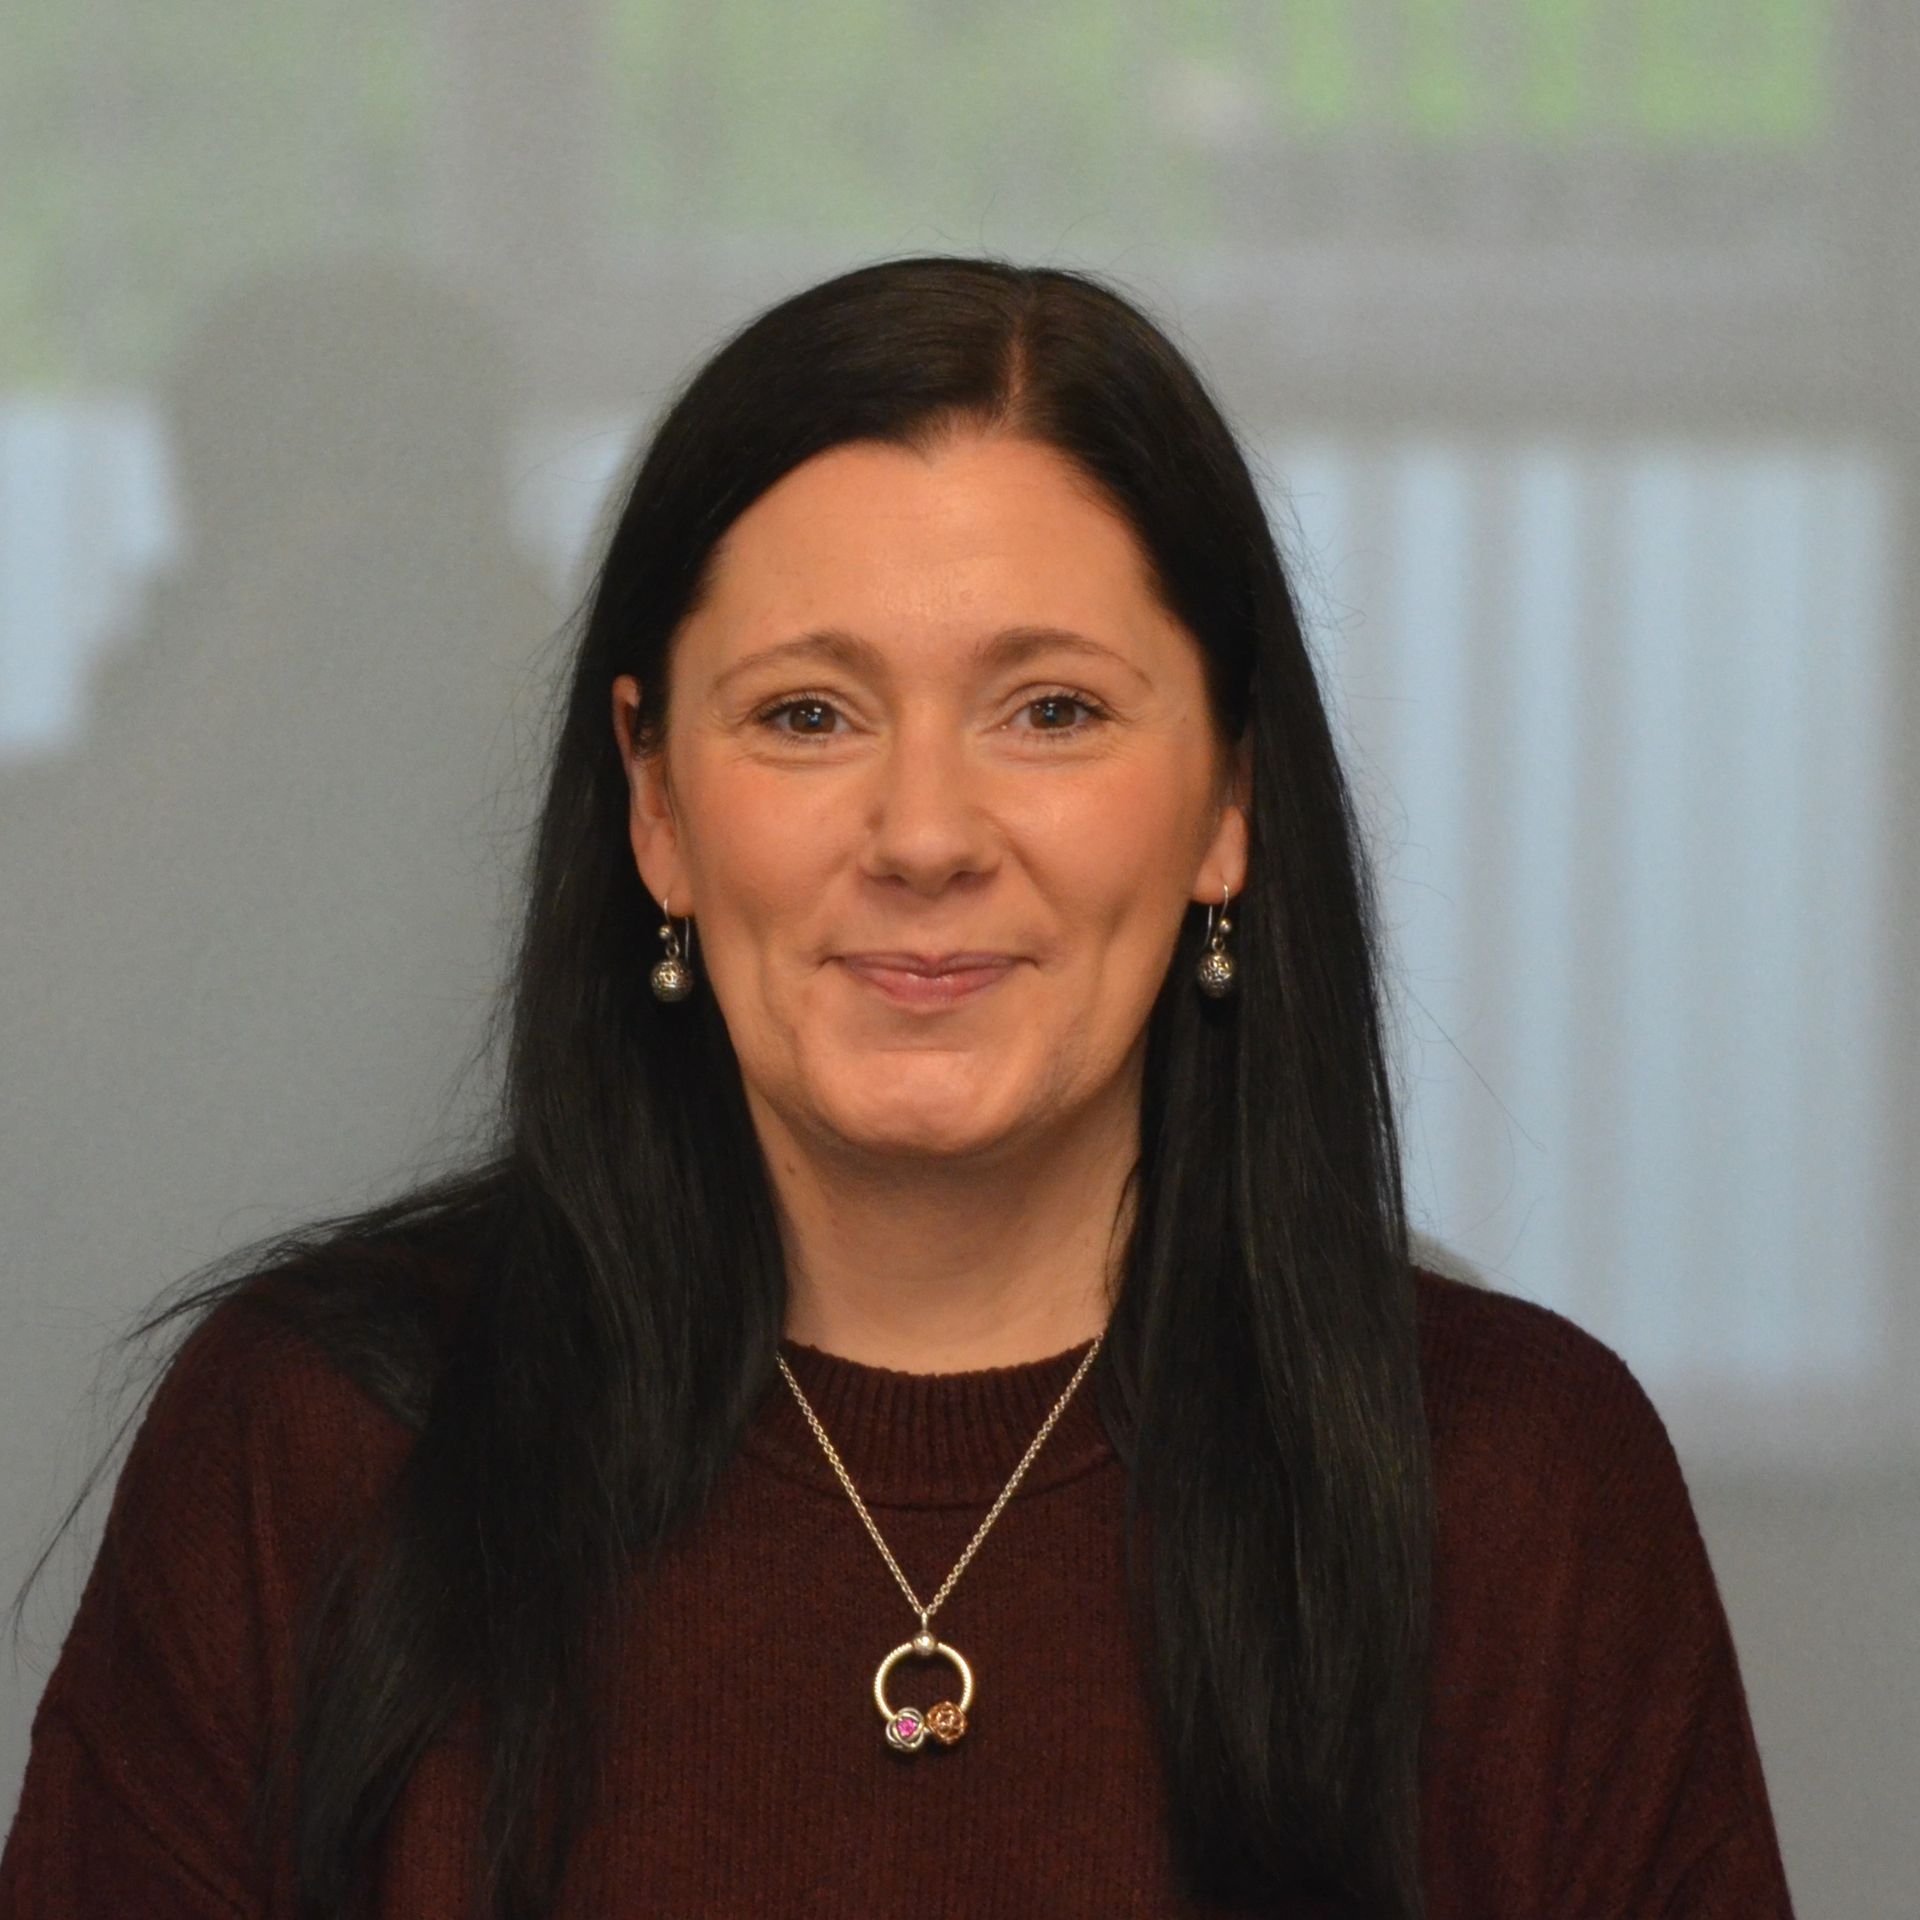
622, 1289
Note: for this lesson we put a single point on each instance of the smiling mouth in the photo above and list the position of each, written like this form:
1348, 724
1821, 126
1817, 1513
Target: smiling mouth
903, 960
919, 981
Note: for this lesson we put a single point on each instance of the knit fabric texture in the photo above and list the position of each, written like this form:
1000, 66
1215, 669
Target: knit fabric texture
1590, 1754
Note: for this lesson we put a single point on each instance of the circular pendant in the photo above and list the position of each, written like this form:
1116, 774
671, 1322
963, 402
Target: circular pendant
908, 1727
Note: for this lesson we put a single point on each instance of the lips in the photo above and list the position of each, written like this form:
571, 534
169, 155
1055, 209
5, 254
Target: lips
928, 980
928, 963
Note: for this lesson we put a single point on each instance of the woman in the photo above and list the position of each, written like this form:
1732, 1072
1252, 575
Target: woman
927, 1402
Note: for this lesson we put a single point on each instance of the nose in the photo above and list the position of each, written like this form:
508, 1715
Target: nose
926, 817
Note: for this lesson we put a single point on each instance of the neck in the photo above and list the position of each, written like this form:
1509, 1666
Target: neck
932, 1266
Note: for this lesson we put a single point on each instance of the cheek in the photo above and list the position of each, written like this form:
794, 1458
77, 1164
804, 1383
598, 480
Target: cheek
1118, 854
1131, 820
762, 850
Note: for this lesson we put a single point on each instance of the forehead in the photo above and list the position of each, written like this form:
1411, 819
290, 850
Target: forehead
900, 545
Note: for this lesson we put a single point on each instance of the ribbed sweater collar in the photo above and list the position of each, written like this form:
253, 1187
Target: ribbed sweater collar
929, 1439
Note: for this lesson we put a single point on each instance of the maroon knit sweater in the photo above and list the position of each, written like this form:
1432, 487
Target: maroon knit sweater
1591, 1755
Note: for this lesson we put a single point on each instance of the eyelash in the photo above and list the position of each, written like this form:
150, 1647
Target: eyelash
765, 716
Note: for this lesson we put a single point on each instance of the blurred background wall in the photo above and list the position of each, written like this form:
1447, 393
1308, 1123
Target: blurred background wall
1574, 340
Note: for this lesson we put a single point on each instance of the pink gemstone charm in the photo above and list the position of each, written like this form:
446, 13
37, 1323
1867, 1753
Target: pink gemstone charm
906, 1729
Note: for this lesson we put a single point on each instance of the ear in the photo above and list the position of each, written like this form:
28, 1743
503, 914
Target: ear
1225, 863
651, 829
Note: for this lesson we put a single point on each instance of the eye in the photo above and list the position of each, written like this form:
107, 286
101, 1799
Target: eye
1058, 700
815, 713
811, 706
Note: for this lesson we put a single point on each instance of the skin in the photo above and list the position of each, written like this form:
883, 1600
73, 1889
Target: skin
948, 1181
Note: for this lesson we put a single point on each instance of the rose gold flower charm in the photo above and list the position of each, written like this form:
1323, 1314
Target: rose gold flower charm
946, 1722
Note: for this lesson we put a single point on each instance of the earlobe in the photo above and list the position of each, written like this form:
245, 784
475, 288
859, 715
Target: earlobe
655, 836
650, 823
1226, 861
1225, 864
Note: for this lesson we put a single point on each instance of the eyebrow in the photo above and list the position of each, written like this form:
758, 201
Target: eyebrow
1007, 648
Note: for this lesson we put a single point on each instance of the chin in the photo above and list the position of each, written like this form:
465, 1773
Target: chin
901, 1119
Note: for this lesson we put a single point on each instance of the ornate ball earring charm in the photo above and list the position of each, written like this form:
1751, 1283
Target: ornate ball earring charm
672, 977
1215, 971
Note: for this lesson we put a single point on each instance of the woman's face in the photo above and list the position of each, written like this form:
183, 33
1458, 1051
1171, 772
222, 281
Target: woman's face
931, 709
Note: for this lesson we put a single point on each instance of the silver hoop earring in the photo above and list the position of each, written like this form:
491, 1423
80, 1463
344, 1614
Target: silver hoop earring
673, 976
1216, 970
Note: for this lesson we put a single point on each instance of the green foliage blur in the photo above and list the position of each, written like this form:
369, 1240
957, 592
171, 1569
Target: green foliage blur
153, 151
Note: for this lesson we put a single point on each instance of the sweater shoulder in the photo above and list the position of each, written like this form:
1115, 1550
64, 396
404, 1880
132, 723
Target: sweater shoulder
1467, 1321
1483, 1349
255, 1454
1578, 1625
262, 1372
254, 1460
1524, 1399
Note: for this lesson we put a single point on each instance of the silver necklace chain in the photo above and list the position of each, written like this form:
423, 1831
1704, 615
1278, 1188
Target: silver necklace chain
927, 1612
